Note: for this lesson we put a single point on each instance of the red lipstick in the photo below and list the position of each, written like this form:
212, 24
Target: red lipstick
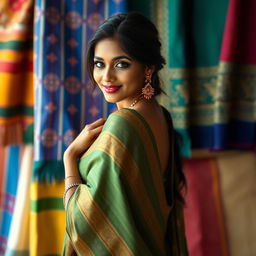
111, 88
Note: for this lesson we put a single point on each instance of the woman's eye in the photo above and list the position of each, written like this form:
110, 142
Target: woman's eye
99, 64
122, 64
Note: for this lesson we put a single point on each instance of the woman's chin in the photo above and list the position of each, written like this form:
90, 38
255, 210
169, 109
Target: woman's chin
107, 99
110, 98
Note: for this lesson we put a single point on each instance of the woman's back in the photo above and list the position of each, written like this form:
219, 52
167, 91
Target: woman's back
154, 116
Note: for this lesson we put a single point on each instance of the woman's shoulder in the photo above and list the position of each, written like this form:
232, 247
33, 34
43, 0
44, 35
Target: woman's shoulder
123, 116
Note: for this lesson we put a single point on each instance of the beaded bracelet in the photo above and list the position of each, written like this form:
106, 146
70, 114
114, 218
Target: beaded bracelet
67, 189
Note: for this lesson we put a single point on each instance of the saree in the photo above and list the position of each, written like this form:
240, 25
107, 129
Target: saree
121, 207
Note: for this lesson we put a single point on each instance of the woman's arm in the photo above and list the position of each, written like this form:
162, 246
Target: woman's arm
82, 142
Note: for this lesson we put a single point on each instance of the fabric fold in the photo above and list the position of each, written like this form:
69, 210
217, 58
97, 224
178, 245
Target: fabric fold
121, 208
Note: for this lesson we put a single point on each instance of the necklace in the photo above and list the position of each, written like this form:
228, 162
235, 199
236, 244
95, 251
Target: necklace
135, 102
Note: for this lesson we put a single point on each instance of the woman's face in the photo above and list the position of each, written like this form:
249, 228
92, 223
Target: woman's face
120, 77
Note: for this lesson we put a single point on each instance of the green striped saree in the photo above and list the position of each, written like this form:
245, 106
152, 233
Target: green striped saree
121, 208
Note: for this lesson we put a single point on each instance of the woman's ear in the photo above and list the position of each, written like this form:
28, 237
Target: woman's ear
149, 70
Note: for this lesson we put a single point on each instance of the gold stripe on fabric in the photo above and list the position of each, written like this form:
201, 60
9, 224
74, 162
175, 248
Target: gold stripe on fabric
217, 196
161, 19
219, 93
184, 73
15, 119
15, 89
43, 190
228, 67
69, 250
80, 246
13, 56
101, 225
112, 146
157, 173
44, 226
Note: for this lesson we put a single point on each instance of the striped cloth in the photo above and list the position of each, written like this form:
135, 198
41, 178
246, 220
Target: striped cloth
47, 219
236, 91
121, 209
204, 215
9, 174
16, 72
18, 239
189, 30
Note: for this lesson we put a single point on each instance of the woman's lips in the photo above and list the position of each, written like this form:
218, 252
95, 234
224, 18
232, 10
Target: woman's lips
111, 88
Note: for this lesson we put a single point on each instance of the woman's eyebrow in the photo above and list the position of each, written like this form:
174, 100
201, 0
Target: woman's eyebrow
115, 58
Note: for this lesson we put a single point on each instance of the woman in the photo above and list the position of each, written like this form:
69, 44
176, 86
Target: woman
124, 197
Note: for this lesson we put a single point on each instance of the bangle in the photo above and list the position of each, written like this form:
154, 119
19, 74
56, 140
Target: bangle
67, 189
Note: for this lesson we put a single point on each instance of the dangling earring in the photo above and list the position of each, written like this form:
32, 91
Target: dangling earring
148, 90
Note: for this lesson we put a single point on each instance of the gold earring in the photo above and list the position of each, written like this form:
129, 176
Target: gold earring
148, 90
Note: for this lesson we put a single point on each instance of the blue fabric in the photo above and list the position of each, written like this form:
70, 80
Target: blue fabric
9, 194
234, 135
64, 101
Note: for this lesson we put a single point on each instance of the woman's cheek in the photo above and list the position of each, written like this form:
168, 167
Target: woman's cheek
96, 77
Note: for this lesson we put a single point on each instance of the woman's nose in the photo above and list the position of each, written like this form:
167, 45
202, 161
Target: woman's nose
108, 75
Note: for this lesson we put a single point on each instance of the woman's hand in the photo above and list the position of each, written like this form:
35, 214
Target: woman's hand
84, 140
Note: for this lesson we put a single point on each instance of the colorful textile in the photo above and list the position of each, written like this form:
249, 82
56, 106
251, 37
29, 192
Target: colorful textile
64, 103
236, 85
64, 99
193, 33
238, 175
210, 79
18, 239
121, 208
47, 219
9, 173
204, 219
16, 72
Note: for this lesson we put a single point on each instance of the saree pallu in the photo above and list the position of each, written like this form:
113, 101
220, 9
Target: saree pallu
121, 208
16, 72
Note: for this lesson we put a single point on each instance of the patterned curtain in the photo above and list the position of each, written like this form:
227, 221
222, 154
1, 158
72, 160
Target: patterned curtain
64, 100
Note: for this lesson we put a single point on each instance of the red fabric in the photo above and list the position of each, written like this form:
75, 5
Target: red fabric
205, 229
240, 33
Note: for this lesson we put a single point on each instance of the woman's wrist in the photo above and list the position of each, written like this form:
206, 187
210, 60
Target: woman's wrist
70, 164
70, 155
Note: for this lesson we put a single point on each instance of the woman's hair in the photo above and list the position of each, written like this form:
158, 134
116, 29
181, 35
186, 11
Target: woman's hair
137, 36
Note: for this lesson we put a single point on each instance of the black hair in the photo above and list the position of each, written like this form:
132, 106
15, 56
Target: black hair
137, 36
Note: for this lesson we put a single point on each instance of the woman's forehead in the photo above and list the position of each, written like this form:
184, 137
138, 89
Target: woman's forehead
107, 47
